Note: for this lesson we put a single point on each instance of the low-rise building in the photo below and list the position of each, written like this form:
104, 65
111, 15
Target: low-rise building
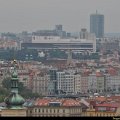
40, 84
48, 107
78, 84
92, 82
105, 109
100, 81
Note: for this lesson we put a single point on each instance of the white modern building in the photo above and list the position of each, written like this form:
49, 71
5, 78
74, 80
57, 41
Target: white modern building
55, 42
113, 82
65, 82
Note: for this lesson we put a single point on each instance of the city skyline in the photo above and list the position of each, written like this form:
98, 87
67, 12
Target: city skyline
32, 15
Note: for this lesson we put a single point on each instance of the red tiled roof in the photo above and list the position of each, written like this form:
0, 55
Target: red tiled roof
42, 102
64, 102
115, 98
100, 99
71, 102
108, 105
112, 71
99, 74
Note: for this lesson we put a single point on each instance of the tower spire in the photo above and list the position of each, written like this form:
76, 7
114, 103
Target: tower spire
14, 100
14, 80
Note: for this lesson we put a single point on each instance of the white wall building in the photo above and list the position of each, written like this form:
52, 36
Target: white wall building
65, 82
55, 42
112, 82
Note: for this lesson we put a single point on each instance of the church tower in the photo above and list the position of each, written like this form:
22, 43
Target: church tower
70, 62
14, 102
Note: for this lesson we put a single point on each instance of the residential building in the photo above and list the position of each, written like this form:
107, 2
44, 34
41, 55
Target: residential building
23, 75
100, 81
112, 80
40, 84
103, 106
65, 82
78, 83
92, 82
84, 83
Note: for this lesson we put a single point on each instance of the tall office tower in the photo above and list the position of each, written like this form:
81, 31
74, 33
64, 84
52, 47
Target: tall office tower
97, 25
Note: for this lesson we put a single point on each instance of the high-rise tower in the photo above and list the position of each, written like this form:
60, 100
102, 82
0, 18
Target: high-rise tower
97, 25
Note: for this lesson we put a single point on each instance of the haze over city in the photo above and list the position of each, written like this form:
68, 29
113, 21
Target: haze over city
59, 58
31, 15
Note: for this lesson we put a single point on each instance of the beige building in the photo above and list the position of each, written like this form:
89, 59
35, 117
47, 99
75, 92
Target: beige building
100, 81
78, 83
13, 112
103, 106
0, 112
55, 108
40, 84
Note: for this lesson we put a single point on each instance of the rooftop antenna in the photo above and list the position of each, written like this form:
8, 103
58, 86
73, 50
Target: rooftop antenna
14, 54
96, 12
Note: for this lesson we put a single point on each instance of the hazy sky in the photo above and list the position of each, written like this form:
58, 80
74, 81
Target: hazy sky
32, 15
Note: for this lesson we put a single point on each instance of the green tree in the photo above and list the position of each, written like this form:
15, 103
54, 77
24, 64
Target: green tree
3, 93
6, 83
26, 93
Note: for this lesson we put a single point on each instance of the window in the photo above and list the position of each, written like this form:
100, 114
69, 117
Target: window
35, 110
63, 111
58, 111
90, 114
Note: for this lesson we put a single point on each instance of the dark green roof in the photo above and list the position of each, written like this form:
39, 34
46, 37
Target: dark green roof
14, 99
14, 75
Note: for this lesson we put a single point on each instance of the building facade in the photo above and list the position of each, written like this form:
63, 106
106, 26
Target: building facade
65, 82
40, 84
55, 108
57, 43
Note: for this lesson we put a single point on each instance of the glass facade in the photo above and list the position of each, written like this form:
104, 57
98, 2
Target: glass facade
97, 25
